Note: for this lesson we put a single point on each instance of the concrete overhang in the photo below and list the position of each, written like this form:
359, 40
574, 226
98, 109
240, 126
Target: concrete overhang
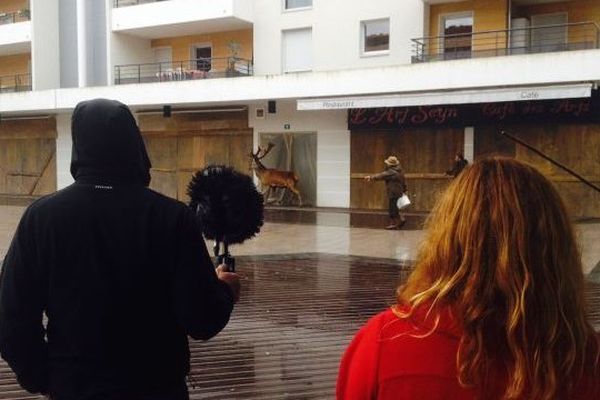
15, 38
182, 17
477, 76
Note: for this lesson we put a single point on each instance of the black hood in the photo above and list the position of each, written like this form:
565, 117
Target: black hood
107, 144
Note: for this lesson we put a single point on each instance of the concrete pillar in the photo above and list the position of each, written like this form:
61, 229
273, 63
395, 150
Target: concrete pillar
63, 151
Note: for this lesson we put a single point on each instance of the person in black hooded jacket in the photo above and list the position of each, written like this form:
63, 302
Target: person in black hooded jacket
121, 272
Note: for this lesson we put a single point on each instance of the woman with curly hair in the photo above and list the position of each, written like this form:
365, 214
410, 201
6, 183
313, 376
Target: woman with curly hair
495, 307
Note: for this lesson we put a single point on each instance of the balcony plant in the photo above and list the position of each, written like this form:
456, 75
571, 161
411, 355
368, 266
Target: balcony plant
234, 51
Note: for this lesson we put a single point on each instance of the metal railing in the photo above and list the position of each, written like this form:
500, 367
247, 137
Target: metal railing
201, 68
15, 83
127, 3
533, 39
14, 17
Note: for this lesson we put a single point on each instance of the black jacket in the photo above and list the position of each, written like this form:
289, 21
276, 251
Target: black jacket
121, 272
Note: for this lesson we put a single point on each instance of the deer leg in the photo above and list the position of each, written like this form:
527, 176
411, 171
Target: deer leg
266, 193
297, 192
281, 196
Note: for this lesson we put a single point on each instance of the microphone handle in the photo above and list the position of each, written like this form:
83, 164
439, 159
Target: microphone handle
227, 260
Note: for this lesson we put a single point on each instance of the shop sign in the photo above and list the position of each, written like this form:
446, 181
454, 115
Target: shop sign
563, 110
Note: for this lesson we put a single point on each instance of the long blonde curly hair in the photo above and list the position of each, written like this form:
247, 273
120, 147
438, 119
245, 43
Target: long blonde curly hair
501, 254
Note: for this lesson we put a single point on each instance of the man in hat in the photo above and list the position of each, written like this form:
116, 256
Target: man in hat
395, 184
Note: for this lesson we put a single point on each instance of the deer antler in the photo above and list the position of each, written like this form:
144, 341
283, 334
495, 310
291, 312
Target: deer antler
265, 151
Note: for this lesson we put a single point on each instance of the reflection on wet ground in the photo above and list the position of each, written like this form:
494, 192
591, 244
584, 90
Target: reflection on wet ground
297, 314
287, 335
363, 219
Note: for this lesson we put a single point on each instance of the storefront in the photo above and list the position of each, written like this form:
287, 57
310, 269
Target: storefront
425, 138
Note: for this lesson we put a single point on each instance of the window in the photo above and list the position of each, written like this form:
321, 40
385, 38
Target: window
375, 36
297, 50
553, 38
202, 57
457, 35
291, 4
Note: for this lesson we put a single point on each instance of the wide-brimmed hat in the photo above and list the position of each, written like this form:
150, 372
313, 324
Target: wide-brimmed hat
391, 161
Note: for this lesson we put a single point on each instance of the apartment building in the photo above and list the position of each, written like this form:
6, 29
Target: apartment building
335, 85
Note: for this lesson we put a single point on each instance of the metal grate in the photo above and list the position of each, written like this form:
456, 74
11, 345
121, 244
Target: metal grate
201, 68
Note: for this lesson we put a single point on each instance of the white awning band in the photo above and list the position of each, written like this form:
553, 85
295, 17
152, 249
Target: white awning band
450, 97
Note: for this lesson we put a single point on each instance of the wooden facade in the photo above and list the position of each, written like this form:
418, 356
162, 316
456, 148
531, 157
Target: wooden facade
424, 153
27, 157
427, 152
184, 143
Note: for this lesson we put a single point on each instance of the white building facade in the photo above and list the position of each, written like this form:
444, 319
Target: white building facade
237, 74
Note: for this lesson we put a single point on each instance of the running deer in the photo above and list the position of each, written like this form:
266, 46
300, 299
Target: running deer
273, 178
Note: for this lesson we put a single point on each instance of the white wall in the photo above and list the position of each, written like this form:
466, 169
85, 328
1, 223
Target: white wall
333, 145
45, 60
125, 49
63, 150
336, 32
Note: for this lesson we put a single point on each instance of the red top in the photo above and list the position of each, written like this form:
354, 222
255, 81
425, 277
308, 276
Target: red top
386, 361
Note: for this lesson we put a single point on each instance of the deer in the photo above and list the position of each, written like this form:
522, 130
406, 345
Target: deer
273, 178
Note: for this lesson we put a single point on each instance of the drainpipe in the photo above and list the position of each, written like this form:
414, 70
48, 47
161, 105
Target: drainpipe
81, 44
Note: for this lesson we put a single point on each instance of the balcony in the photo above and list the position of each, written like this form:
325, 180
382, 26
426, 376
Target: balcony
152, 19
15, 83
202, 68
529, 40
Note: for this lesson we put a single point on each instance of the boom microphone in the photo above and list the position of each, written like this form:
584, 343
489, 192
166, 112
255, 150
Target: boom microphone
228, 207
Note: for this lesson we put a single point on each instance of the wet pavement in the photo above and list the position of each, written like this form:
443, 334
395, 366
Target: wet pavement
309, 282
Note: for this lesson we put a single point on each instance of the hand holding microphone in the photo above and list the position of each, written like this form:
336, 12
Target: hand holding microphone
230, 210
230, 278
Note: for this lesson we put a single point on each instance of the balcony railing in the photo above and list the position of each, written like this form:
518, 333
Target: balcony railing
535, 39
201, 68
127, 3
15, 83
14, 17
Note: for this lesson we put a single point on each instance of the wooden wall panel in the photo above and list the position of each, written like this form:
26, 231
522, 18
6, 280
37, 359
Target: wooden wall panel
575, 146
488, 142
28, 157
187, 142
425, 154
